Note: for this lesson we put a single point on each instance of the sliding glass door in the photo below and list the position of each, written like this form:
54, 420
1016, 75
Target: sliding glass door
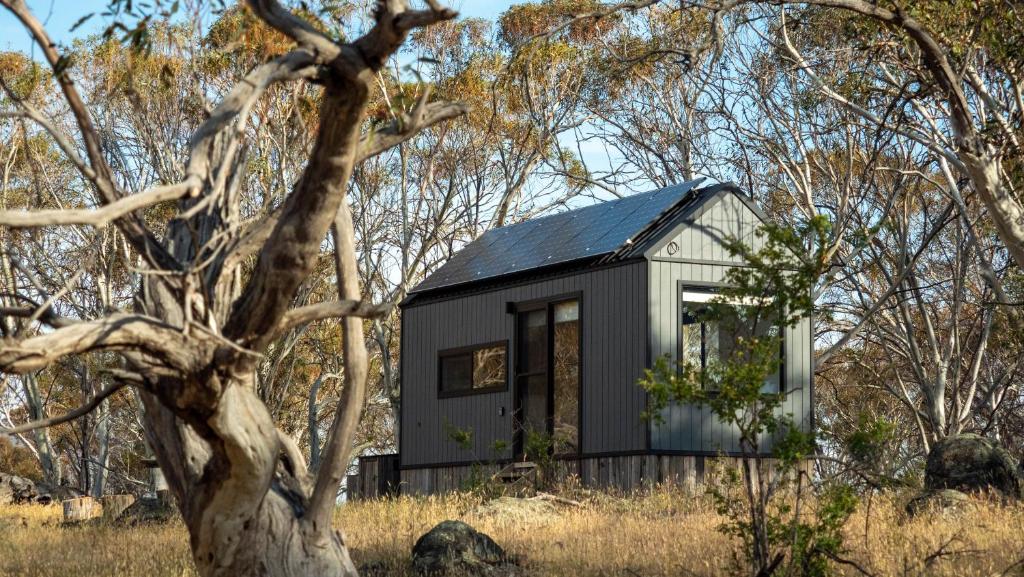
548, 377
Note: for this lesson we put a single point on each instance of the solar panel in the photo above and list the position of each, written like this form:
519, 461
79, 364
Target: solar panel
577, 234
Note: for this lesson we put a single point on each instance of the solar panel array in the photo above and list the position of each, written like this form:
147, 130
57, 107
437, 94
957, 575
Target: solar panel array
559, 238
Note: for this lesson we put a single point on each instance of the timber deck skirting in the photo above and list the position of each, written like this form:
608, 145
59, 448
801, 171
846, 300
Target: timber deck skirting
619, 473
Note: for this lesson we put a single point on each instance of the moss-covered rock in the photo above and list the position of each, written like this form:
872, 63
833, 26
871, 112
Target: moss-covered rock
971, 463
454, 548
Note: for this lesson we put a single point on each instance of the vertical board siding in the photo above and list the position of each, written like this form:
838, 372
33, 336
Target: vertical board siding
613, 358
701, 238
693, 428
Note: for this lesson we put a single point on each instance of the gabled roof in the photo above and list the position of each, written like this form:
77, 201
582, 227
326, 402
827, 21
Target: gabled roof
600, 230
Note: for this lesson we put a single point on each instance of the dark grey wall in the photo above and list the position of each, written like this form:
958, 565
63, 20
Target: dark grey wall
614, 325
689, 428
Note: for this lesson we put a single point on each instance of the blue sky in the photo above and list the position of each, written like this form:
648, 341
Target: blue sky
60, 16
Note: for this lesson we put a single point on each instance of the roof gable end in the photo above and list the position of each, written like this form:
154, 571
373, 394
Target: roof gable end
697, 234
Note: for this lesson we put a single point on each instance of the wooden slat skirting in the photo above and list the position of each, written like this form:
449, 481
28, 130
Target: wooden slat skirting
623, 473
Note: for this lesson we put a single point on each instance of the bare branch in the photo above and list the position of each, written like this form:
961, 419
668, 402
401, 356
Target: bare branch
338, 450
99, 217
124, 332
394, 21
337, 309
47, 316
295, 27
370, 145
424, 116
294, 65
70, 415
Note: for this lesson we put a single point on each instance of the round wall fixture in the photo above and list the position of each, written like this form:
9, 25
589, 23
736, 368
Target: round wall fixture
672, 247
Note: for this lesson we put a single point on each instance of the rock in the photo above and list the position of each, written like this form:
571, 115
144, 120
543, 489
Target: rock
455, 548
510, 510
943, 501
971, 463
147, 510
15, 490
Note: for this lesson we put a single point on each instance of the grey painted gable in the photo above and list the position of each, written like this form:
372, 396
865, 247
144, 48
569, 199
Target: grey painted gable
700, 263
698, 235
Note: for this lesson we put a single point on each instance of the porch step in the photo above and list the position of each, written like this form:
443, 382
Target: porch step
513, 472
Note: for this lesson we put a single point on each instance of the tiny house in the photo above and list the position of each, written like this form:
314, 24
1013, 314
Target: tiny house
547, 325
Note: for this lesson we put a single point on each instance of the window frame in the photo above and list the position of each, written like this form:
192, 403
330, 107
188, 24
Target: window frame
470, 350
708, 292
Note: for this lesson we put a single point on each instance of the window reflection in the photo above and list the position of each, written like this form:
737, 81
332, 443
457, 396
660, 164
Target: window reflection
566, 377
704, 342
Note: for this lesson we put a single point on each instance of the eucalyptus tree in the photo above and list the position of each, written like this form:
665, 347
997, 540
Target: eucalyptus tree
217, 287
901, 127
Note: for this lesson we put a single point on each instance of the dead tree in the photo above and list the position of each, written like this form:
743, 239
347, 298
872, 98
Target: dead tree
202, 319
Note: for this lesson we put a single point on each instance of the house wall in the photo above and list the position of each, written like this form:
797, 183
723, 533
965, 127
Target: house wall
690, 428
614, 336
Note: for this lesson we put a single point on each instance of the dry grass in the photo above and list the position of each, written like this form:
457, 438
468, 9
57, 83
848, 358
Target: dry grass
662, 533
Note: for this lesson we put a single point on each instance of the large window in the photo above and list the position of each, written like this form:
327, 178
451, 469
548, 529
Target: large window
469, 370
566, 375
703, 341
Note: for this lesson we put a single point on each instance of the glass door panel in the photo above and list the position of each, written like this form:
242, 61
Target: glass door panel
531, 376
566, 377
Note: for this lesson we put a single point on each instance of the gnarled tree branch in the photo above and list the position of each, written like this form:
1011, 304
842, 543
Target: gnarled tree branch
97, 217
118, 332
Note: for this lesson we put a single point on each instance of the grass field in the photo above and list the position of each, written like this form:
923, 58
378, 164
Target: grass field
662, 533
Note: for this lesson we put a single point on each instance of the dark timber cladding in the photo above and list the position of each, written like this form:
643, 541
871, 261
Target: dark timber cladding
613, 322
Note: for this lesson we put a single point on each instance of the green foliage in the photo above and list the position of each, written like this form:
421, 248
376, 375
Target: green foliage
816, 543
461, 437
873, 434
776, 286
870, 448
537, 446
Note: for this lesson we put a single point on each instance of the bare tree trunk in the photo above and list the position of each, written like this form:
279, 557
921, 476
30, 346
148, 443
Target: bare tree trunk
102, 463
84, 459
194, 341
48, 460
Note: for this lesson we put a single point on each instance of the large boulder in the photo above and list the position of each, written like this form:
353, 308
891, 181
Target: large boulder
454, 548
17, 490
971, 463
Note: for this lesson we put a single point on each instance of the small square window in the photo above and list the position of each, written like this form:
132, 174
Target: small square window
471, 370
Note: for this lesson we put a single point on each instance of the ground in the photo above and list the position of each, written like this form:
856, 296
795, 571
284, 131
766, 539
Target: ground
661, 533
